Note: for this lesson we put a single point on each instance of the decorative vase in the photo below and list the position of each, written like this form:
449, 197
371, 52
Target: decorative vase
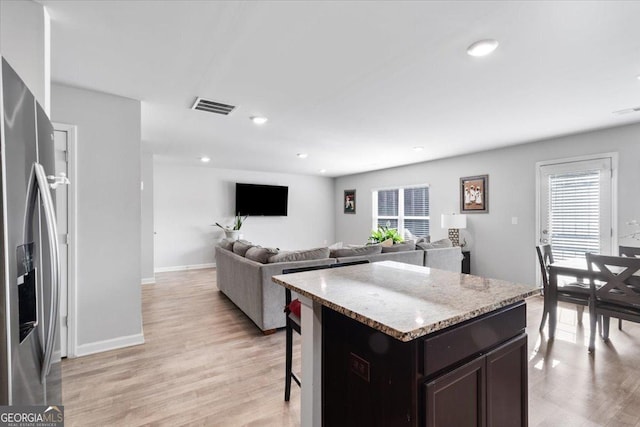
232, 234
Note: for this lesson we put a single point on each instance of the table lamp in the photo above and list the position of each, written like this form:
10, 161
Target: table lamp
454, 223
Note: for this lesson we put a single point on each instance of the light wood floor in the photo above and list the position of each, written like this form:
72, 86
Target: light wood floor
204, 363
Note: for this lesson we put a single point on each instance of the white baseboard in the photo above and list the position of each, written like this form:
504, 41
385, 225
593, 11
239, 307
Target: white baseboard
184, 267
148, 281
112, 344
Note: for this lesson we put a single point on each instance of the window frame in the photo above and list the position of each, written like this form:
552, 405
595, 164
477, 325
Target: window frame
401, 217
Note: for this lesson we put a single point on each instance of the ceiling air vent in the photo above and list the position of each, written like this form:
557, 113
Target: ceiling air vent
212, 106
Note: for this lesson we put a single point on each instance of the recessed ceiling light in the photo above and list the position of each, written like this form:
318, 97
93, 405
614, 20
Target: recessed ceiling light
259, 120
482, 47
205, 159
638, 77
418, 148
322, 171
302, 155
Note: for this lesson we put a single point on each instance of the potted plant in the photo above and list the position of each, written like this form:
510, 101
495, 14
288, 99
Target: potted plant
233, 231
383, 233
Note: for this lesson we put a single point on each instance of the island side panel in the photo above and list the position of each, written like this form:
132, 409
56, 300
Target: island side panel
369, 378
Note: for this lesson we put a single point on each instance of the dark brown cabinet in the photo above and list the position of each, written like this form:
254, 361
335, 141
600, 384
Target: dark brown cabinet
471, 374
458, 397
507, 380
488, 391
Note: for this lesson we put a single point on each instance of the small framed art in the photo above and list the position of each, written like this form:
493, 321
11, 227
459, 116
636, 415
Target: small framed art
349, 201
474, 194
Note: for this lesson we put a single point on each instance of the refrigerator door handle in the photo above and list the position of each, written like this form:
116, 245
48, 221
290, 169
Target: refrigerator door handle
38, 184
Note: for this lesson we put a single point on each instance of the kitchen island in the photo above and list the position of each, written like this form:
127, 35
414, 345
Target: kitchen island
391, 344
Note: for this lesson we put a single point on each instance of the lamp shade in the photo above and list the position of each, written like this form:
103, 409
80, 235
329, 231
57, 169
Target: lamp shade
453, 221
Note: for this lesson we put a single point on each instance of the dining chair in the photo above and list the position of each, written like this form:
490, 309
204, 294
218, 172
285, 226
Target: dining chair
571, 291
630, 251
292, 310
619, 295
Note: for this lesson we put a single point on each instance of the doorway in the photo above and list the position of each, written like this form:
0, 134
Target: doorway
65, 140
577, 205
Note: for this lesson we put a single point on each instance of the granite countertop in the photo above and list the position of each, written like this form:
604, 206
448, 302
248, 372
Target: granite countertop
402, 300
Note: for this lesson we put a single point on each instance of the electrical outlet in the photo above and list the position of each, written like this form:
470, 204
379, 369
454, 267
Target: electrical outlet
359, 367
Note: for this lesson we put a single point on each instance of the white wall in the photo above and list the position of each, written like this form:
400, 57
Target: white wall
24, 43
109, 313
146, 225
500, 249
189, 198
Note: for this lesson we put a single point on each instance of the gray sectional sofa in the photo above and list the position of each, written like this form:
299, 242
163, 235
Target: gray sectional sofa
244, 272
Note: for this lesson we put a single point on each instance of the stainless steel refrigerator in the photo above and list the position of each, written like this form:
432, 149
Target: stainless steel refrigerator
29, 269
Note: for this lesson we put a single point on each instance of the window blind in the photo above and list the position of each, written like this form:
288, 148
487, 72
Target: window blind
388, 222
417, 227
416, 201
404, 208
574, 214
388, 203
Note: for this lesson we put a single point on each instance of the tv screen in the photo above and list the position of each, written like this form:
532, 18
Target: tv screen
261, 200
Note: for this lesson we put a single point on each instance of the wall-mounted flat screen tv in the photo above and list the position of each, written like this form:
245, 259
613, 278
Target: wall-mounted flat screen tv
261, 200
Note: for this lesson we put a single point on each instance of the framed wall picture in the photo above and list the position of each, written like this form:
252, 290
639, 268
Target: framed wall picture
474, 194
349, 201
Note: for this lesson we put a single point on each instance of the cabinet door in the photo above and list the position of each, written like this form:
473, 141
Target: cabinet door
457, 399
507, 384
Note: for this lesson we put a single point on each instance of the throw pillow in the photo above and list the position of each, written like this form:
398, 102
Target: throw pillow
386, 243
423, 239
294, 307
337, 245
362, 250
399, 247
443, 243
260, 254
408, 235
241, 247
305, 255
226, 244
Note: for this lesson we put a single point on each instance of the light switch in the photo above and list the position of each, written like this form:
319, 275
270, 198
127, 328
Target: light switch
514, 220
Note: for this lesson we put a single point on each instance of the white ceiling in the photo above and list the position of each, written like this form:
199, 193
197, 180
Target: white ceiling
356, 85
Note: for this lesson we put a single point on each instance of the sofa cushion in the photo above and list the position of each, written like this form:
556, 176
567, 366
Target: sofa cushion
399, 247
359, 251
241, 247
260, 254
444, 258
443, 243
304, 255
226, 244
386, 243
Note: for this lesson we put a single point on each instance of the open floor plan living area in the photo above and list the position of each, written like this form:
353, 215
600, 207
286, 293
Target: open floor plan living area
320, 213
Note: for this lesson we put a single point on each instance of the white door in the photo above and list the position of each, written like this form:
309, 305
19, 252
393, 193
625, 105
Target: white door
61, 193
575, 207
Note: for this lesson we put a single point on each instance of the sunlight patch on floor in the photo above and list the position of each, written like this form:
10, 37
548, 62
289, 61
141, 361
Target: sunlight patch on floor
568, 329
543, 362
